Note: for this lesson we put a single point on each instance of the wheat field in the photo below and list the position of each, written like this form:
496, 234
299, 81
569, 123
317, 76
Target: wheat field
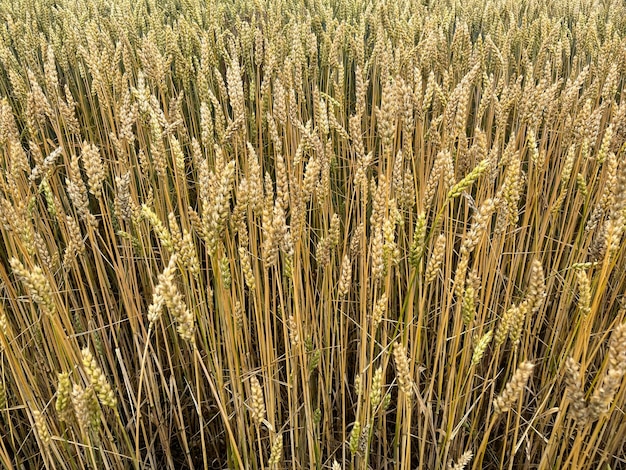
325, 234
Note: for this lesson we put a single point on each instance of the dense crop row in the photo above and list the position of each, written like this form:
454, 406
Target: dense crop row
312, 234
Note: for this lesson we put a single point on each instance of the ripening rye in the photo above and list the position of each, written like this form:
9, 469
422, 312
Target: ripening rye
294, 234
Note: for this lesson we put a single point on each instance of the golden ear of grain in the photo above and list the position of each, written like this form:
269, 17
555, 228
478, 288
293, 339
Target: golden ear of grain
417, 245
376, 392
578, 408
86, 407
64, 389
468, 304
97, 379
514, 388
75, 245
355, 435
37, 285
481, 347
346, 274
436, 259
94, 168
403, 374
379, 311
584, 292
464, 459
42, 428
276, 452
294, 335
257, 407
604, 394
